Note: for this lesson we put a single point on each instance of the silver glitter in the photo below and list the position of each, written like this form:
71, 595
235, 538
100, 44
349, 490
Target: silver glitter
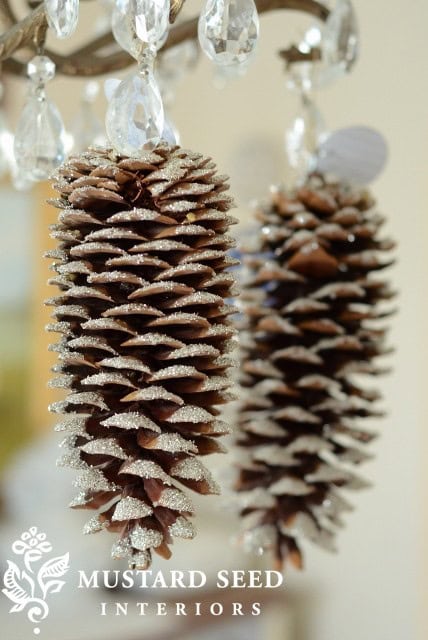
124, 362
297, 414
74, 423
215, 383
197, 298
178, 206
121, 549
71, 460
146, 469
156, 288
132, 308
90, 398
71, 310
112, 277
153, 394
131, 420
56, 254
298, 354
221, 331
189, 189
62, 382
177, 371
183, 270
94, 480
137, 260
94, 525
91, 342
105, 447
102, 379
135, 215
222, 279
140, 561
327, 473
171, 171
290, 486
260, 539
130, 508
160, 246
142, 538
218, 428
273, 455
76, 266
153, 340
182, 528
60, 281
190, 469
59, 327
202, 255
192, 351
264, 427
179, 318
113, 233
80, 500
91, 248
69, 442
172, 443
186, 230
174, 499
85, 292
107, 324
192, 414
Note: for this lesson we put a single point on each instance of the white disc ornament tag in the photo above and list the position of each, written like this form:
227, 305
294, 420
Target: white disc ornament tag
355, 154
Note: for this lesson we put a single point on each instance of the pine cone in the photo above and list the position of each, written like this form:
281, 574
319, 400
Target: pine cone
142, 270
311, 311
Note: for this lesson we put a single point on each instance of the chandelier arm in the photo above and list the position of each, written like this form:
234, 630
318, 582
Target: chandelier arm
88, 61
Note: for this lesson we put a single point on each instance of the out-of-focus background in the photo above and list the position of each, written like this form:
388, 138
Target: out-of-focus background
376, 586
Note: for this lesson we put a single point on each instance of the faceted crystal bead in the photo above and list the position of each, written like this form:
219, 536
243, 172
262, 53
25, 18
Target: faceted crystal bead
62, 16
303, 137
41, 69
139, 22
135, 116
228, 30
340, 40
39, 138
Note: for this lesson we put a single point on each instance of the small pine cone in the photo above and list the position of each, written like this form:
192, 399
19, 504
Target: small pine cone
311, 312
142, 270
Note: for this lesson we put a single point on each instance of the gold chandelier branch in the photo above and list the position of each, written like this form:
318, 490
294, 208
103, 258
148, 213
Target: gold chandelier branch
18, 42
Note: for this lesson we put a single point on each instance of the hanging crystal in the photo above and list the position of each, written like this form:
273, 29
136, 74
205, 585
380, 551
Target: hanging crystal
87, 129
39, 144
304, 136
228, 30
6, 141
340, 41
135, 116
136, 23
62, 16
170, 133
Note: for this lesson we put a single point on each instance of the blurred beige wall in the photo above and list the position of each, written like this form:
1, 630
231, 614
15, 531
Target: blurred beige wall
377, 587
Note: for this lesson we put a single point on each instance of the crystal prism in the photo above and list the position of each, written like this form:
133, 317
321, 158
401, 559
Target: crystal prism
304, 136
228, 30
39, 144
340, 42
62, 16
139, 22
135, 116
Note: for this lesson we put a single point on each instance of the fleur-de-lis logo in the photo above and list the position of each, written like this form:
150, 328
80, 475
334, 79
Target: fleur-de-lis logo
28, 587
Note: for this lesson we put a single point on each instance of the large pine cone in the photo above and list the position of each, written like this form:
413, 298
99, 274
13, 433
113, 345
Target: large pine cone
312, 306
142, 268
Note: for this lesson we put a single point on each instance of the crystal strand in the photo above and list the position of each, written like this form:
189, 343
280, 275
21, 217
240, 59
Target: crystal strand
340, 40
62, 16
303, 137
87, 129
39, 145
228, 30
6, 141
135, 115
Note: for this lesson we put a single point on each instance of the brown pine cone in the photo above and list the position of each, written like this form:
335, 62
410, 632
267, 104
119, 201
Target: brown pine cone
142, 271
312, 310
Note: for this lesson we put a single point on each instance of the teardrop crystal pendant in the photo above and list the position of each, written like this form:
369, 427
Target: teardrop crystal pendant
62, 16
135, 116
304, 136
228, 30
39, 145
340, 41
139, 22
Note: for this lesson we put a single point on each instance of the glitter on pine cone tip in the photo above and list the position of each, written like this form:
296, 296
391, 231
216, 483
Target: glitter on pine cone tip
313, 310
142, 267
